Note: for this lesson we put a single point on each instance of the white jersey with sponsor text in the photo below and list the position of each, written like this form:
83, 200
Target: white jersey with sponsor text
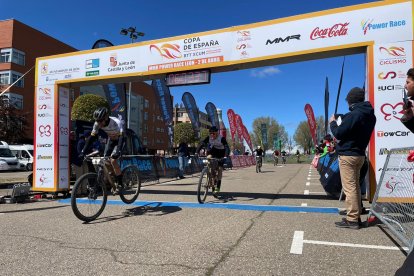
113, 129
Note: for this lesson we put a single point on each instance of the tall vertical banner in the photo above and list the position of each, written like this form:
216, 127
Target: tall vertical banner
212, 114
192, 111
162, 93
326, 104
114, 92
246, 136
311, 122
232, 123
391, 63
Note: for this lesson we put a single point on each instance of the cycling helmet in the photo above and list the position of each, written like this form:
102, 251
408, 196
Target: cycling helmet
258, 147
101, 114
213, 129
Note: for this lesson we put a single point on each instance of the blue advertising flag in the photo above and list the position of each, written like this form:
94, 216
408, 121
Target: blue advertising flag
164, 99
114, 93
192, 111
212, 114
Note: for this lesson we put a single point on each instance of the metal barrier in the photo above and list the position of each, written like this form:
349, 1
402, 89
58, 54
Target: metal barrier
393, 202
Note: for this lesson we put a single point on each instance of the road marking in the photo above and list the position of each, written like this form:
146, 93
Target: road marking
304, 205
306, 192
298, 241
318, 193
307, 183
246, 207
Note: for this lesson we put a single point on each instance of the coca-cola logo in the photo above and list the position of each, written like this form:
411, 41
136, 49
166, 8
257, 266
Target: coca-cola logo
340, 29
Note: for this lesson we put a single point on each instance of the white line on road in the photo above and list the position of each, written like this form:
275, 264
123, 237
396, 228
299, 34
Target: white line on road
298, 241
306, 192
307, 183
304, 204
318, 193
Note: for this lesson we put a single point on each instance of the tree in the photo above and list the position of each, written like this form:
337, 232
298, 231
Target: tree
303, 136
85, 105
13, 124
320, 128
274, 129
184, 133
234, 145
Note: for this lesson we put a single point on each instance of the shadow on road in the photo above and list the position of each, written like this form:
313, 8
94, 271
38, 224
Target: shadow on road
148, 209
33, 209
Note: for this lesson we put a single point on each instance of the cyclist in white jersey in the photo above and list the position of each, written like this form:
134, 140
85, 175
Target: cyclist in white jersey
114, 128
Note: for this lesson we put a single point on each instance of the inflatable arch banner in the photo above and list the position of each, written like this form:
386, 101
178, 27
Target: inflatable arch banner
384, 30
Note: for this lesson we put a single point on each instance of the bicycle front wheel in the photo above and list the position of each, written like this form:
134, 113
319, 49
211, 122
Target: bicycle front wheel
131, 184
202, 188
88, 197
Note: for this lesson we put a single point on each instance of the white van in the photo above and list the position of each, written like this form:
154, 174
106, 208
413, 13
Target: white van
8, 161
24, 154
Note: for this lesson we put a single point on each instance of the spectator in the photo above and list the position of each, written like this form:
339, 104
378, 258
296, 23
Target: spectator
353, 131
183, 154
407, 119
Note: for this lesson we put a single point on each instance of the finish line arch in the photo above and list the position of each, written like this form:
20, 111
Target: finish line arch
384, 30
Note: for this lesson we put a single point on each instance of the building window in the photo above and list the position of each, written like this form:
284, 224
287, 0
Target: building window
145, 128
6, 79
145, 116
12, 55
146, 104
14, 99
145, 141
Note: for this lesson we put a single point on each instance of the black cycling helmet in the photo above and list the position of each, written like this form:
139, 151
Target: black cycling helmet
101, 114
213, 129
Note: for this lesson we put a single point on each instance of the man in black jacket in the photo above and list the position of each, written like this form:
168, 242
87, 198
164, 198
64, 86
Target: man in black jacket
353, 130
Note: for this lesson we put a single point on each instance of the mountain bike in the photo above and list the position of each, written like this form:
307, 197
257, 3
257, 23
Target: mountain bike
90, 192
208, 178
258, 164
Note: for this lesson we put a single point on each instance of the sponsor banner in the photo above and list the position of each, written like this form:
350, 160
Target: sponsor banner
380, 24
192, 111
239, 127
64, 130
391, 63
246, 136
115, 93
212, 114
162, 92
232, 123
263, 129
44, 123
311, 122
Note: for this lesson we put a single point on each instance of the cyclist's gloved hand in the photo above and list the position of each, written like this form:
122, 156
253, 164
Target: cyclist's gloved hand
116, 155
81, 156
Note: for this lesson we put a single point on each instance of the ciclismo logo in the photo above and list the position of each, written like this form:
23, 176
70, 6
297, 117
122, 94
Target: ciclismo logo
392, 55
392, 133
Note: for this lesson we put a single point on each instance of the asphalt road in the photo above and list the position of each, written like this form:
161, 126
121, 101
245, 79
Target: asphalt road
251, 233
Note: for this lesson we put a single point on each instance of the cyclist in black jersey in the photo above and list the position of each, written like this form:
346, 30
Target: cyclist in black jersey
114, 128
217, 147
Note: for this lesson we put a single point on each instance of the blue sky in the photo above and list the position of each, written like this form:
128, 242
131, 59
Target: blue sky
280, 91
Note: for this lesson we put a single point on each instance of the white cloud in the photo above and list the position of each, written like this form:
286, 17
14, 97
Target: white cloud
264, 72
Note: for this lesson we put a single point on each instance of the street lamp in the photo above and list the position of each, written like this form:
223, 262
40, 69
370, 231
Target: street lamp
133, 34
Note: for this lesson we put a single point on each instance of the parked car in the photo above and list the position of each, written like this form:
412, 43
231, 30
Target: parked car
24, 154
8, 161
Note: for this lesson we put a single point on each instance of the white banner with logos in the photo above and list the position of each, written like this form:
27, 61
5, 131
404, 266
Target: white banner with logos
44, 121
391, 63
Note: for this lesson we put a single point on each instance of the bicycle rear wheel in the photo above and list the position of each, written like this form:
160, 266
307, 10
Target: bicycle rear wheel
202, 188
257, 167
131, 184
88, 197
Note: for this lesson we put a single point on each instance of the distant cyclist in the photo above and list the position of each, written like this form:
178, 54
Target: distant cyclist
259, 153
114, 128
217, 147
283, 154
276, 157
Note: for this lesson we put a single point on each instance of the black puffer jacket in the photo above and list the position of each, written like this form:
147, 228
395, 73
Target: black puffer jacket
355, 130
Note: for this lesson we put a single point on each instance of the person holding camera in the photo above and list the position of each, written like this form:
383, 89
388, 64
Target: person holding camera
408, 117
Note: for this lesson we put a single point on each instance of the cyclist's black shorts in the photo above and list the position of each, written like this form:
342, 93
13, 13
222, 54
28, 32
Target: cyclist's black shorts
111, 147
